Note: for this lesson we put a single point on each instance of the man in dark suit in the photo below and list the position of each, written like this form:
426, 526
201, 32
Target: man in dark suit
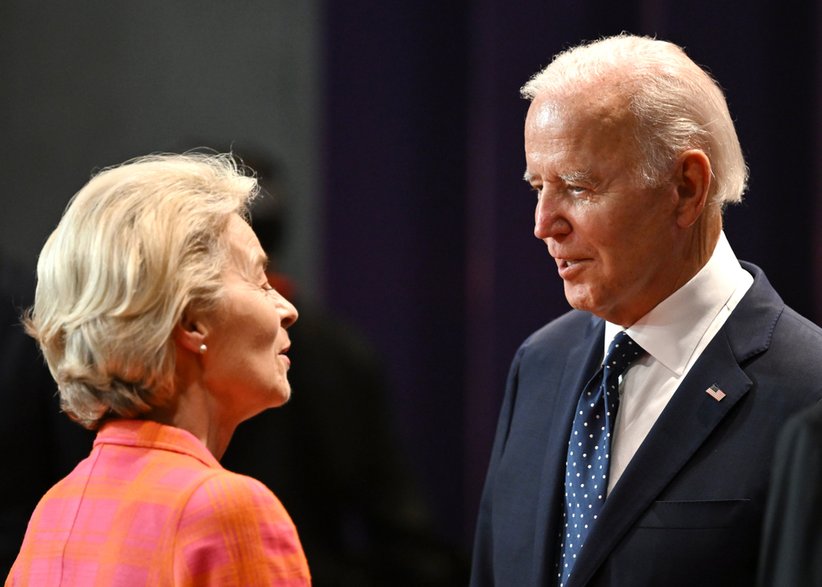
792, 537
652, 472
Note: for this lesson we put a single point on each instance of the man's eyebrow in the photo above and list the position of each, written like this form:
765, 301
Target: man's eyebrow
576, 176
570, 177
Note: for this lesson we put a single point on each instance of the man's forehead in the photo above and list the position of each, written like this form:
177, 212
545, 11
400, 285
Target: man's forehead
563, 129
544, 111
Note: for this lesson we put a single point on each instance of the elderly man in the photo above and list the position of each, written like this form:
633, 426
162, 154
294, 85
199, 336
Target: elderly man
651, 469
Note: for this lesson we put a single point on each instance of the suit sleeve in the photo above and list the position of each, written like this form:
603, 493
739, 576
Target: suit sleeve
792, 538
482, 565
235, 532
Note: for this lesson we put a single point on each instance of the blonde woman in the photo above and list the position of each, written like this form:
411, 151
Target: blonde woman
156, 319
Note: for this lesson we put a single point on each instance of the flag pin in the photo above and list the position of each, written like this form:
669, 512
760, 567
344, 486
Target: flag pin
715, 392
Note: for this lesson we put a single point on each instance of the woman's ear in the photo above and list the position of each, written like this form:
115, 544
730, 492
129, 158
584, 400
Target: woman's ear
190, 332
693, 182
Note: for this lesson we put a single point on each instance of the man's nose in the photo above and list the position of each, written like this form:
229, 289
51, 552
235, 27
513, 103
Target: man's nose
549, 220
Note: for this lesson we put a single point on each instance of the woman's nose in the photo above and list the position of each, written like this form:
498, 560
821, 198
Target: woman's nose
288, 312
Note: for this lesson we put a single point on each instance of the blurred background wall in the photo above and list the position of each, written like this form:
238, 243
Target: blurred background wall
90, 84
398, 126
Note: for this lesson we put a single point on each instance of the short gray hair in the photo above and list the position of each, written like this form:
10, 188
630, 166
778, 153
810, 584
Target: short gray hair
138, 245
676, 104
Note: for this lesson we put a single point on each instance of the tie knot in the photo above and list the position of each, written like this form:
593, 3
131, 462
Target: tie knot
621, 353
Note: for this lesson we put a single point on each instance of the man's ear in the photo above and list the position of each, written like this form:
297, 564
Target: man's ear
190, 332
693, 182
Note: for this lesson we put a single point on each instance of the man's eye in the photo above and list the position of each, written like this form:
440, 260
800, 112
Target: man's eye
537, 189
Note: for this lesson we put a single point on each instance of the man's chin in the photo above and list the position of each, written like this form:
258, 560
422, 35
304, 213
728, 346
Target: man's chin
583, 300
579, 298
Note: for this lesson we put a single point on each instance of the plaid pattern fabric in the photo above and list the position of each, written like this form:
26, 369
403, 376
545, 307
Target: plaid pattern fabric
152, 506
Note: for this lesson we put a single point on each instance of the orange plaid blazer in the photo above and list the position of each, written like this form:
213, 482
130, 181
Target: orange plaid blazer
152, 506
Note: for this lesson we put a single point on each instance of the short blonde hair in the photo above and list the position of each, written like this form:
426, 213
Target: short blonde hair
138, 245
677, 105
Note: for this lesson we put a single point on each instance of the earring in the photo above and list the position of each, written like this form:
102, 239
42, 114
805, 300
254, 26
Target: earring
203, 349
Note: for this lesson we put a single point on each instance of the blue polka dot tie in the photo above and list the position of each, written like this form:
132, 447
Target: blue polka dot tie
586, 468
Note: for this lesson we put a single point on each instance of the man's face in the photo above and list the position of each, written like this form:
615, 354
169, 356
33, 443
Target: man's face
616, 243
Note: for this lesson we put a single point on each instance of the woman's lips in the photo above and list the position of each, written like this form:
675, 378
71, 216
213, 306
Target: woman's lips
284, 356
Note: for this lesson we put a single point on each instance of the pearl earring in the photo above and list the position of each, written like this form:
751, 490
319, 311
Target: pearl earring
203, 349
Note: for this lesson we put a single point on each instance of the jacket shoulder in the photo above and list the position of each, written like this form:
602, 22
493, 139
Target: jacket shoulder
234, 525
571, 327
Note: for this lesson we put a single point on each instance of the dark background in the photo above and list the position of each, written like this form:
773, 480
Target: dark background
429, 225
399, 124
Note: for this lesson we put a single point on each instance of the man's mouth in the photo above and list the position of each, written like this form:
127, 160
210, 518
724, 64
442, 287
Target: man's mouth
568, 268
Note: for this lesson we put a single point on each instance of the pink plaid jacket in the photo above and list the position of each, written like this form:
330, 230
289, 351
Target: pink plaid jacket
152, 506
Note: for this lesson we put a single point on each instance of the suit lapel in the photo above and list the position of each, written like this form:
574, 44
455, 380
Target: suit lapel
685, 423
582, 362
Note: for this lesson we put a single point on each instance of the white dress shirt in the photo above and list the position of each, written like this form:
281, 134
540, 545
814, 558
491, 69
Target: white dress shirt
674, 333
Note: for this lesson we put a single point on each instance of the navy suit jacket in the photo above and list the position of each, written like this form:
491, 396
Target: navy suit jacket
688, 509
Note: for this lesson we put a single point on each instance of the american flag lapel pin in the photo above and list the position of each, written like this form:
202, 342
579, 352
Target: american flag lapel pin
715, 392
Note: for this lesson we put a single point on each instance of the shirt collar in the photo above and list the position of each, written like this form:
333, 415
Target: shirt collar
671, 332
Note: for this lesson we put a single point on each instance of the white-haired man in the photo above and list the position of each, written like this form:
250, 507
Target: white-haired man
652, 469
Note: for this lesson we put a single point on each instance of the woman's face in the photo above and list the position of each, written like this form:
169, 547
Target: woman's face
245, 366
